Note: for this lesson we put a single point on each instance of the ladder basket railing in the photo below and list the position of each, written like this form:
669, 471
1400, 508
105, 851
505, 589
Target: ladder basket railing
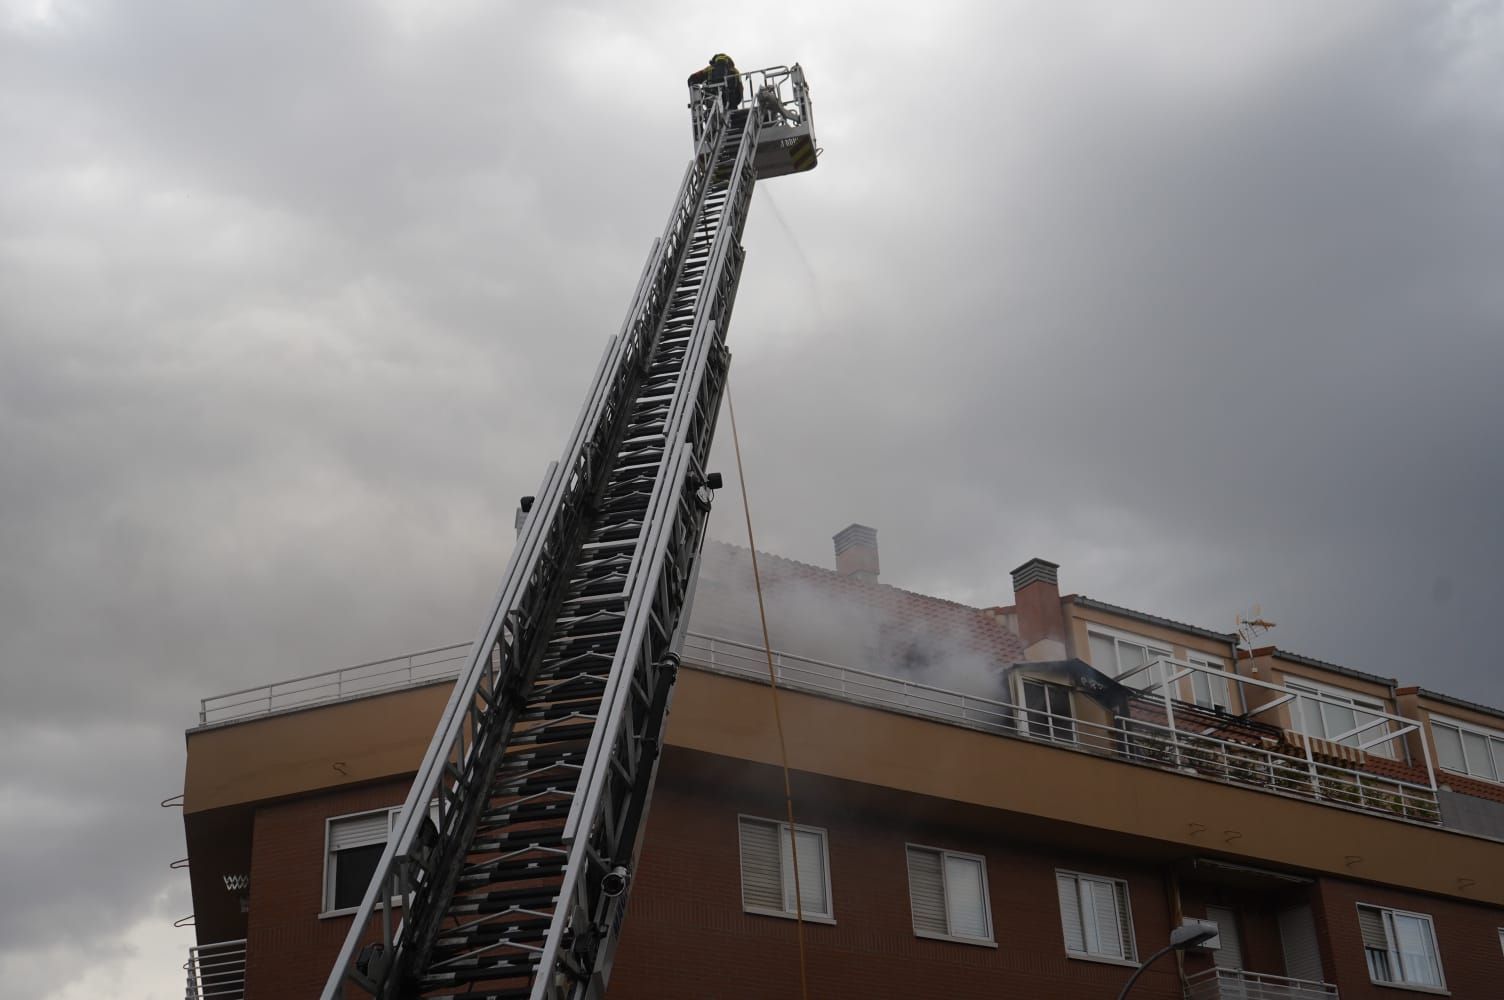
778, 93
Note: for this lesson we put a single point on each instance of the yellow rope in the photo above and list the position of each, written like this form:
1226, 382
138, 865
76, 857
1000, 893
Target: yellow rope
767, 648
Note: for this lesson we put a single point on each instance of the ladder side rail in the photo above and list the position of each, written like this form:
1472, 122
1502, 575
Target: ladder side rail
614, 751
714, 267
716, 306
462, 713
580, 892
456, 714
592, 760
644, 318
618, 833
466, 709
589, 417
619, 830
684, 227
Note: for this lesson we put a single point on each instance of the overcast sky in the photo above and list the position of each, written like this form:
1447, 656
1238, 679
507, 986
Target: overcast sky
1201, 301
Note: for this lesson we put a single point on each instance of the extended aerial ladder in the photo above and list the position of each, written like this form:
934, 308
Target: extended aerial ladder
513, 854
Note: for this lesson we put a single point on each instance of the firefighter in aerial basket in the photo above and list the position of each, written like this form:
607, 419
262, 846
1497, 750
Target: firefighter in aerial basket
721, 72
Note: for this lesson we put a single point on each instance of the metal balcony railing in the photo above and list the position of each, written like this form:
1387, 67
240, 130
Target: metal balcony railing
216, 971
1235, 984
1130, 739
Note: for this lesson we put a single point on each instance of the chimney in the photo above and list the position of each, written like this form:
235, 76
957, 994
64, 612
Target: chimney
1036, 594
856, 552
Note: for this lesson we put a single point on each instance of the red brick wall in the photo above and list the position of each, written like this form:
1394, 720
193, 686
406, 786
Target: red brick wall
289, 950
686, 938
1467, 935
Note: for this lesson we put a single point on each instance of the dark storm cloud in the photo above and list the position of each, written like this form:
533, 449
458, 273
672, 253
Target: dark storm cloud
1202, 304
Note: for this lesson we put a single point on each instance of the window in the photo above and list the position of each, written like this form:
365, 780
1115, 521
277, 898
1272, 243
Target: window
353, 848
1337, 716
948, 895
354, 845
1047, 711
768, 869
1095, 917
1210, 690
1115, 654
1470, 750
1400, 947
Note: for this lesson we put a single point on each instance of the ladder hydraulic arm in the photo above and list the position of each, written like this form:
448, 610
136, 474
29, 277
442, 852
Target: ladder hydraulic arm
541, 768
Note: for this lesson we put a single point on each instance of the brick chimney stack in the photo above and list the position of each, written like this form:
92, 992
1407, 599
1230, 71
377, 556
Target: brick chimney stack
1036, 595
856, 552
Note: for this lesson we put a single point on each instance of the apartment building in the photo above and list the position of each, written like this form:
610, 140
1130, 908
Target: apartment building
1013, 801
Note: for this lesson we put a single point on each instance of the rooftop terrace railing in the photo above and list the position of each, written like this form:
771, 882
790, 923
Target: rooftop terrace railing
394, 673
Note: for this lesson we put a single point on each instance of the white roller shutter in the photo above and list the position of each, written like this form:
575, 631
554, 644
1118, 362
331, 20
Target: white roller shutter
359, 831
1070, 913
1297, 938
1229, 953
1371, 924
1104, 912
1125, 920
762, 871
927, 891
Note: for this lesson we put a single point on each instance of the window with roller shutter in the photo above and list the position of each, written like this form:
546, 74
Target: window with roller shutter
1095, 916
1400, 947
767, 863
353, 846
948, 895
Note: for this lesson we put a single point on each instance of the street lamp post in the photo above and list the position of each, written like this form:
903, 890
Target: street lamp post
1183, 937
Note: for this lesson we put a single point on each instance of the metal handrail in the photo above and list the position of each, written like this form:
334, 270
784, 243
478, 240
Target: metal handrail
1243, 985
1132, 739
409, 669
216, 971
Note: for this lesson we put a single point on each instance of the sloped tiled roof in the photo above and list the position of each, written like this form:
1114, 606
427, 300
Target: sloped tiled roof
816, 612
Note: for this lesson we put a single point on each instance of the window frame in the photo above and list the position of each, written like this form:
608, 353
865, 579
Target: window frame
786, 882
1047, 728
1223, 681
1149, 646
1125, 918
326, 894
990, 941
1356, 702
1490, 736
1392, 953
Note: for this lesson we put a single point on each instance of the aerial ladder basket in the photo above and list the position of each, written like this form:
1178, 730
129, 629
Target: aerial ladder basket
513, 855
786, 127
